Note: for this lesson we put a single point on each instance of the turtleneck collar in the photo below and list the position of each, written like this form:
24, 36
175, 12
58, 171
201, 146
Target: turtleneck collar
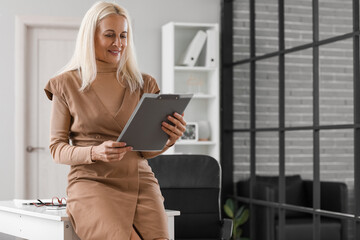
104, 67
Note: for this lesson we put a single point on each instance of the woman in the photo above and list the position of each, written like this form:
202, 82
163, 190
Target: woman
112, 192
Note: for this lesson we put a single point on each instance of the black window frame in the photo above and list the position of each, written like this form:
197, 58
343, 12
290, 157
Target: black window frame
227, 129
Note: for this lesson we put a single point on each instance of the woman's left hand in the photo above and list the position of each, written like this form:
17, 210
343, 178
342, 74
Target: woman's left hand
176, 130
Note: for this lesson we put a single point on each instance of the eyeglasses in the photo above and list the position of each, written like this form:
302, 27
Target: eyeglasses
55, 201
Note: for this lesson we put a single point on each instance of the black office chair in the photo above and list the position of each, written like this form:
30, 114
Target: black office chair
191, 184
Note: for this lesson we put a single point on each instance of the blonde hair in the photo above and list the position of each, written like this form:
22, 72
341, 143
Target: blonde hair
84, 59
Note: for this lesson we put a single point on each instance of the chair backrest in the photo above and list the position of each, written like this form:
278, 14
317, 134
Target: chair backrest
191, 184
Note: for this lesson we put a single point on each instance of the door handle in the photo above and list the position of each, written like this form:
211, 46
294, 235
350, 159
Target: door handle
31, 148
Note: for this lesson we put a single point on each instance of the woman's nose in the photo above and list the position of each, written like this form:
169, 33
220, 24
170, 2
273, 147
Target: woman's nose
117, 42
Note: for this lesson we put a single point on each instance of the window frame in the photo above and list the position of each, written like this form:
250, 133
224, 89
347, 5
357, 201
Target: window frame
227, 129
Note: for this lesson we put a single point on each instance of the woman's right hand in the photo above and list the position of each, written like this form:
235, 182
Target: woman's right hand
109, 151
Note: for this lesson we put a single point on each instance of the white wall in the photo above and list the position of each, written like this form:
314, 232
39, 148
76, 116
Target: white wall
148, 16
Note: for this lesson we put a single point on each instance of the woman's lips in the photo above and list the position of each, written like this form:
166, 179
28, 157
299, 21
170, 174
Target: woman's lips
114, 52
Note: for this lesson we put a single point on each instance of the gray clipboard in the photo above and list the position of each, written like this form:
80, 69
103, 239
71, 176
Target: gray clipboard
143, 129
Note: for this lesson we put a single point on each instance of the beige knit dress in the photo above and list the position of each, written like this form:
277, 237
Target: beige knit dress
105, 200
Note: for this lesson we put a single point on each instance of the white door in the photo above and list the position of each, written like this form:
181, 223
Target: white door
48, 50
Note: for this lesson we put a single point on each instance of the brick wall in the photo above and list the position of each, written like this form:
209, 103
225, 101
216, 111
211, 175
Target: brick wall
336, 90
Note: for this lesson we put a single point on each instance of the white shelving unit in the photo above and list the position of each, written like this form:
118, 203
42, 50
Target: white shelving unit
202, 81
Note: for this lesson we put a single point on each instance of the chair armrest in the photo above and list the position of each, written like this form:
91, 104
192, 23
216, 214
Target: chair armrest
333, 195
226, 228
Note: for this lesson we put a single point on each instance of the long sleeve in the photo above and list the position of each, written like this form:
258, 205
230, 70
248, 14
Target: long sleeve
61, 151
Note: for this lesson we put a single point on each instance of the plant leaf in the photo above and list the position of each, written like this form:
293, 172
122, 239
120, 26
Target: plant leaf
230, 203
244, 217
236, 223
228, 211
239, 212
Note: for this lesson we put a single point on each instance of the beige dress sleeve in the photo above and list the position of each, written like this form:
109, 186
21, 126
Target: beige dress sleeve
61, 151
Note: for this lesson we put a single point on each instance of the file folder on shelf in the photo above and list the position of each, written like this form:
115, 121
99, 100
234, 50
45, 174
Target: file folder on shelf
193, 51
211, 57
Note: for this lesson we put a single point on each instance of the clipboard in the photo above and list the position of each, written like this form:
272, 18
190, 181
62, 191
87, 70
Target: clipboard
143, 129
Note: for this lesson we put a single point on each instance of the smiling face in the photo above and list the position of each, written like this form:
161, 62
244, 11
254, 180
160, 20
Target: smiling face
111, 38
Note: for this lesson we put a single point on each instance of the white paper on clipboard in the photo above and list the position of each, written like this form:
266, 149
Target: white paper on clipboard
143, 130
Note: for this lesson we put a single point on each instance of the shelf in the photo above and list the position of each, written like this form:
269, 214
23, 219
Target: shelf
203, 96
204, 143
192, 25
202, 80
195, 69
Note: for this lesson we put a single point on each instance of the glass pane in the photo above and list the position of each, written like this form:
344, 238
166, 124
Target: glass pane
241, 30
242, 163
337, 170
349, 229
295, 220
335, 18
242, 172
264, 222
334, 228
241, 156
299, 89
298, 22
244, 228
266, 26
267, 154
267, 93
298, 167
299, 153
336, 83
267, 166
241, 96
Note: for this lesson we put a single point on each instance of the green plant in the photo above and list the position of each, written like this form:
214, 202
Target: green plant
239, 216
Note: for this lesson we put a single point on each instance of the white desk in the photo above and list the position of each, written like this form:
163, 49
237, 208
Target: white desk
37, 223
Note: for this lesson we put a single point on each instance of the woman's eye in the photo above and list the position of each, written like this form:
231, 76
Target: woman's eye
109, 35
123, 36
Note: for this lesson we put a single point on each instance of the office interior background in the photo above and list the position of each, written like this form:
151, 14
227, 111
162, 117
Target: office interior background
147, 18
292, 68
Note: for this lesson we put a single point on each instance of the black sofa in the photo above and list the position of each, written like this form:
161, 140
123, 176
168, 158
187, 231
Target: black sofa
299, 192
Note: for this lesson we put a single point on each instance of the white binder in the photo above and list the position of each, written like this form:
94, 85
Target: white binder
193, 51
211, 57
